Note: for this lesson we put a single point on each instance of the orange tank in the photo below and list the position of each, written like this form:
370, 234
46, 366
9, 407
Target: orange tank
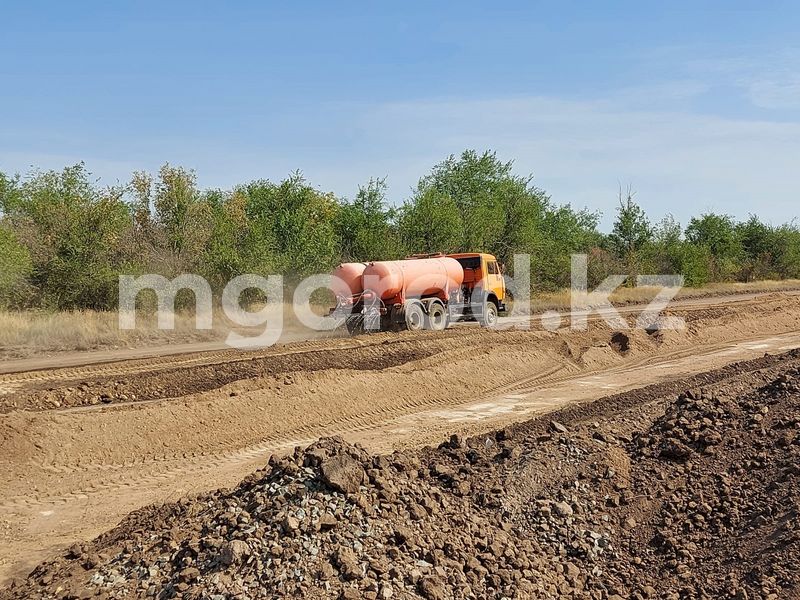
347, 279
395, 280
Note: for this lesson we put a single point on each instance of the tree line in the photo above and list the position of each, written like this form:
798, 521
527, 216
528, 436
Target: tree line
64, 240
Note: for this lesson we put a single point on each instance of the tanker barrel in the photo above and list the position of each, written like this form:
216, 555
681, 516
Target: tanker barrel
398, 280
347, 280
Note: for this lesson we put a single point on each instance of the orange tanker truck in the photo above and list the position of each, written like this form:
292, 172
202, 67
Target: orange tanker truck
421, 292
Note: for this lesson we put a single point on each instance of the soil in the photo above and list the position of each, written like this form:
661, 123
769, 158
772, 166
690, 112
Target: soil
83, 446
633, 496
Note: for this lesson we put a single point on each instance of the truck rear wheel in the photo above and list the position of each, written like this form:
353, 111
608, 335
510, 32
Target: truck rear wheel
415, 317
489, 316
437, 317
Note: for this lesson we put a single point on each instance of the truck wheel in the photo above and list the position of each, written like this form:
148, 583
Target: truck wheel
489, 316
415, 317
437, 317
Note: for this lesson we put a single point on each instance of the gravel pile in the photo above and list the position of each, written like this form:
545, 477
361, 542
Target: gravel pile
331, 521
694, 497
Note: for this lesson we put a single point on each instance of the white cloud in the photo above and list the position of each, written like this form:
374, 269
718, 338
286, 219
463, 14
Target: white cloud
770, 81
780, 91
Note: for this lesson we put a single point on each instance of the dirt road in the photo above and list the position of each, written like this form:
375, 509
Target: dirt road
84, 445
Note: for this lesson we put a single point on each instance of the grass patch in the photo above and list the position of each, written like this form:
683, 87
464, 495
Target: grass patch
641, 295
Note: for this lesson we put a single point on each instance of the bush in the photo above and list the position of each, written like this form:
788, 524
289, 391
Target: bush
632, 233
431, 223
295, 222
73, 234
15, 269
365, 226
695, 263
718, 235
786, 252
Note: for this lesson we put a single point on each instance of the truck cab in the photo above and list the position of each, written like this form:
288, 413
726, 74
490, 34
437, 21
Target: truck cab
484, 288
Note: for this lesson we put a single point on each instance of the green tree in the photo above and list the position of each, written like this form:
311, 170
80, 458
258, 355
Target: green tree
297, 221
64, 239
430, 223
176, 198
226, 254
564, 232
718, 234
15, 268
185, 220
758, 244
497, 212
662, 255
695, 263
668, 232
481, 187
786, 251
631, 233
73, 234
524, 218
365, 225
9, 193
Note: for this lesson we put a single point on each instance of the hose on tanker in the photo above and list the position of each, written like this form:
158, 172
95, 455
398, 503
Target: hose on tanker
368, 320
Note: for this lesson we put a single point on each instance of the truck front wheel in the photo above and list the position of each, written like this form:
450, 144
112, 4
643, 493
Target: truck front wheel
489, 316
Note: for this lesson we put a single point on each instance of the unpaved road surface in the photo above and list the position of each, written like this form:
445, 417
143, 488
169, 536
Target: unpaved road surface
82, 446
644, 494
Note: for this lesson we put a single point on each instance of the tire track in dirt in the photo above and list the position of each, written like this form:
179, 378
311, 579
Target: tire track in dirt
346, 423
226, 358
126, 476
520, 386
158, 381
349, 425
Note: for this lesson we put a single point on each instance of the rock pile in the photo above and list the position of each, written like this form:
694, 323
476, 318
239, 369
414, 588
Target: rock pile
724, 508
331, 521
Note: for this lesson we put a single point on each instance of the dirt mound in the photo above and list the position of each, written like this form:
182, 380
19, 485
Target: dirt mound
725, 519
689, 497
159, 379
148, 384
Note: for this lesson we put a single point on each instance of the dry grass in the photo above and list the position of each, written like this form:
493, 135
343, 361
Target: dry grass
641, 295
30, 333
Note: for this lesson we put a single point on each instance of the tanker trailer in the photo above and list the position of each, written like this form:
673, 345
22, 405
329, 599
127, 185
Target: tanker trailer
346, 283
412, 293
346, 286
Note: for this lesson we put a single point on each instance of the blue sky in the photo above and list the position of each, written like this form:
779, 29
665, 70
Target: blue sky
696, 104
